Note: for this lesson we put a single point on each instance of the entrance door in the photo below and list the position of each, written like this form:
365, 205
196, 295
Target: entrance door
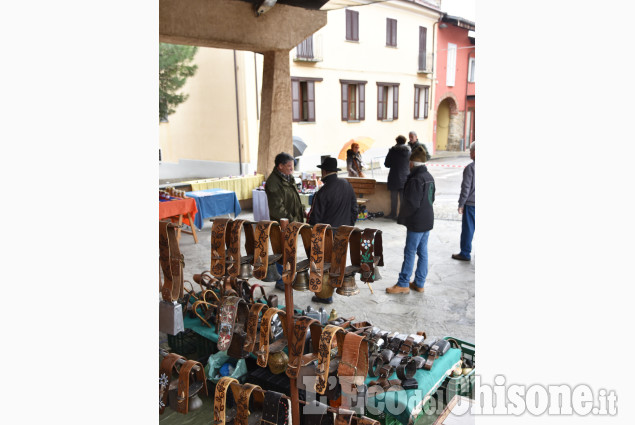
443, 125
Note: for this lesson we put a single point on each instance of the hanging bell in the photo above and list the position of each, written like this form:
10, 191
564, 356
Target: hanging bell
245, 271
333, 315
301, 282
349, 287
377, 275
278, 362
272, 273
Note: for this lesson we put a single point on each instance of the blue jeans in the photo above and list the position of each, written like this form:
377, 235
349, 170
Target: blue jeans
467, 230
416, 243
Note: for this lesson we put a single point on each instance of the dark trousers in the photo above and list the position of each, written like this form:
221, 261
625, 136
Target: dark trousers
393, 201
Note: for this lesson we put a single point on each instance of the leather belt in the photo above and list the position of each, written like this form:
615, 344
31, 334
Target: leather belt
171, 262
321, 251
234, 258
265, 330
183, 394
165, 374
324, 354
371, 253
275, 409
353, 366
407, 368
252, 326
289, 261
338, 260
233, 311
296, 350
267, 232
219, 229
375, 363
220, 399
384, 372
242, 405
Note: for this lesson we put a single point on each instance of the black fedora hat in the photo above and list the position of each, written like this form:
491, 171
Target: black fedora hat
329, 164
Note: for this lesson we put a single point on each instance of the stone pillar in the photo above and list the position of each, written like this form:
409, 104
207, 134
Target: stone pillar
275, 117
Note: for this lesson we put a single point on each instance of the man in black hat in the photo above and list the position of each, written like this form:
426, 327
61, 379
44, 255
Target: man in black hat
335, 204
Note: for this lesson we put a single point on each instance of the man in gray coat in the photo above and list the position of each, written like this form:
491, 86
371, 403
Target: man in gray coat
467, 207
398, 160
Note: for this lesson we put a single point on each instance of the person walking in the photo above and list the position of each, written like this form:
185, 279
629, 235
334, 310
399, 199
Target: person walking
417, 214
354, 163
335, 204
467, 207
282, 196
398, 160
413, 142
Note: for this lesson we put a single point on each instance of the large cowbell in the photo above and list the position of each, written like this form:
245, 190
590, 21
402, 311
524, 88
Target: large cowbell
170, 317
349, 287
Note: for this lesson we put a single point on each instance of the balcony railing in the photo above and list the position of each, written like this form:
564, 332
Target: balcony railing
310, 50
425, 64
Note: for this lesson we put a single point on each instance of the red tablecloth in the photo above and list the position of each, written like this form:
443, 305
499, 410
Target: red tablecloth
178, 207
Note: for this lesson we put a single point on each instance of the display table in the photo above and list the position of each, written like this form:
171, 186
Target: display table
242, 186
260, 205
457, 412
212, 203
181, 209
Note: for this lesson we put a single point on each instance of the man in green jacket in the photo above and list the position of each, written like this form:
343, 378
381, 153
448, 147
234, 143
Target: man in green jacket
282, 196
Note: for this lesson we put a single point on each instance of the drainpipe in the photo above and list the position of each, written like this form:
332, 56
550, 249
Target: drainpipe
465, 141
240, 158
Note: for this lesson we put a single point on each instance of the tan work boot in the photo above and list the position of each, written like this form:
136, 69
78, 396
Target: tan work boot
396, 289
415, 287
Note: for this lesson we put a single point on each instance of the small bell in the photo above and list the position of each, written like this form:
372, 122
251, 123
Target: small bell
333, 315
301, 282
245, 271
272, 274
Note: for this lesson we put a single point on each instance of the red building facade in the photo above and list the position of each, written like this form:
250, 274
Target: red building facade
455, 96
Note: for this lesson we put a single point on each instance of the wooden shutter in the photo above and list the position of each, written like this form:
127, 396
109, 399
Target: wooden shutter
355, 22
349, 25
394, 32
362, 101
417, 94
344, 102
391, 32
395, 102
426, 91
387, 31
380, 102
423, 32
295, 100
310, 89
451, 64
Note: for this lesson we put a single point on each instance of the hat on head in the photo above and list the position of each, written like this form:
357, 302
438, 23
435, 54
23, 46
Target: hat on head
329, 164
418, 155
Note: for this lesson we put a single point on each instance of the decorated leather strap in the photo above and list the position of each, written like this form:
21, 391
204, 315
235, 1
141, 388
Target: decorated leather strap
232, 309
219, 228
252, 325
184, 384
353, 366
344, 417
370, 247
220, 399
265, 330
297, 358
233, 251
171, 262
338, 259
275, 409
289, 257
242, 406
321, 252
324, 355
165, 373
261, 248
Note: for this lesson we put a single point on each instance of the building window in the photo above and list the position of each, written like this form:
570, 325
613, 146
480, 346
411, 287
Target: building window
451, 64
470, 71
422, 96
387, 101
303, 99
305, 49
353, 100
423, 36
352, 25
391, 32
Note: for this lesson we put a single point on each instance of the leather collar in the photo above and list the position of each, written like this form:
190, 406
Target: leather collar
219, 229
321, 252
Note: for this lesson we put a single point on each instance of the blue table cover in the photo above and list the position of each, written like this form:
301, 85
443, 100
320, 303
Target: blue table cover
212, 203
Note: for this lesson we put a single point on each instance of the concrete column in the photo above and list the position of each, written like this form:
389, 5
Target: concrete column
275, 116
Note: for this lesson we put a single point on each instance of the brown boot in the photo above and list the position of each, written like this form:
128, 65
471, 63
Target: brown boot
396, 289
415, 287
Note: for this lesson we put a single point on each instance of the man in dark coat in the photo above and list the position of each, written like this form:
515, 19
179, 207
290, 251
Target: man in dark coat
398, 160
282, 196
417, 214
335, 204
413, 142
467, 207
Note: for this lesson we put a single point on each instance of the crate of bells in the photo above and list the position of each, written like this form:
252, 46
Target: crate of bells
249, 323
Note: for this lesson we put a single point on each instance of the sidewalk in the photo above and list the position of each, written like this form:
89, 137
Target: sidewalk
446, 308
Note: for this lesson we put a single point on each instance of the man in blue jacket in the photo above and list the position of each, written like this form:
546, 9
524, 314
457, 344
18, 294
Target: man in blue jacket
467, 207
417, 214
